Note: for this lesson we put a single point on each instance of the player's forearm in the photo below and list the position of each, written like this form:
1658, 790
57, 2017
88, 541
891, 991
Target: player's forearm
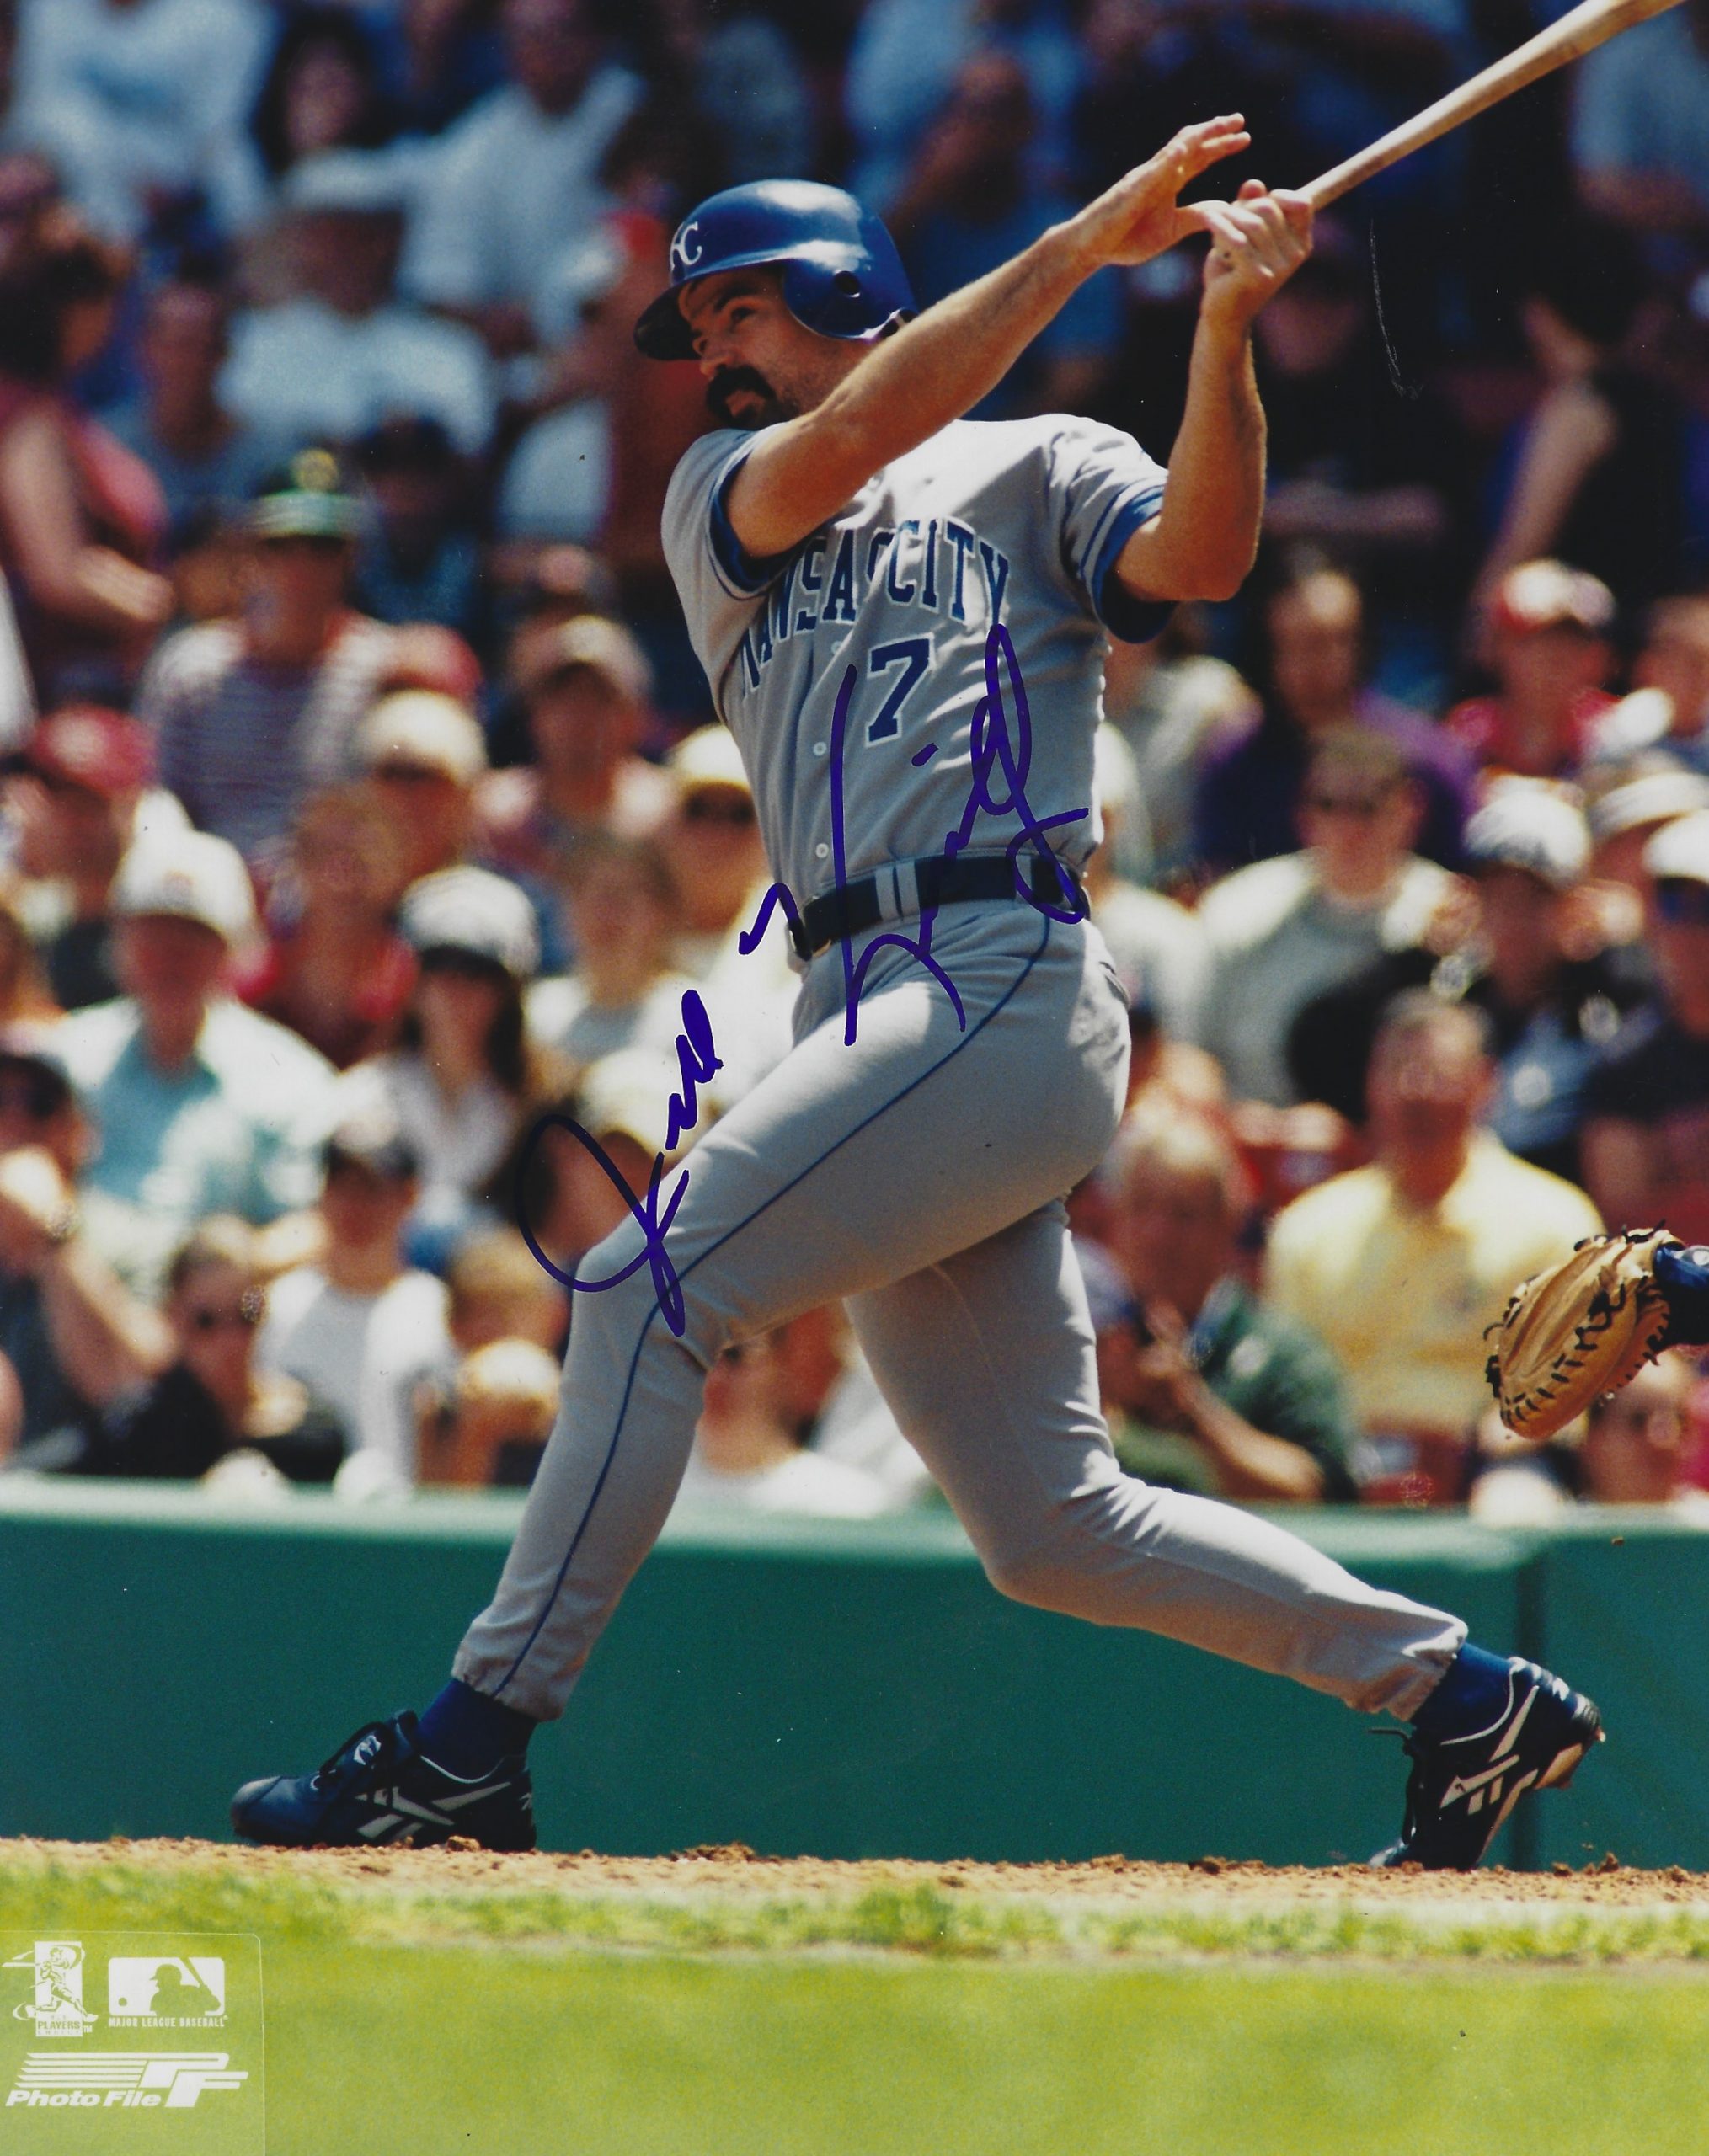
906, 388
1203, 541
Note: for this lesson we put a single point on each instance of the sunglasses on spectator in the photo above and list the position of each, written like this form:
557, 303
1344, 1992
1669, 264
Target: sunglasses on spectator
302, 543
407, 774
246, 1315
460, 964
734, 810
1682, 902
1364, 806
31, 1093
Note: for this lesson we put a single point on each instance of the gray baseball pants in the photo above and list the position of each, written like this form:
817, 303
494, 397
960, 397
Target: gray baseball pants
919, 1175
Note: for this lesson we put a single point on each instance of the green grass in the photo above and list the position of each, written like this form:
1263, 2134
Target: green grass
445, 2020
609, 2055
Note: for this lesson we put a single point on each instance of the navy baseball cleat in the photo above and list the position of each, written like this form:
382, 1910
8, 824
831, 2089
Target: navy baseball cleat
1462, 1787
378, 1787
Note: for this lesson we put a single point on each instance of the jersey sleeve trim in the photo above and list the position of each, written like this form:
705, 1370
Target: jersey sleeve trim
1134, 620
739, 573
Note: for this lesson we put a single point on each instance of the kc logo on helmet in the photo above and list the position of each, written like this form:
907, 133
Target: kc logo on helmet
687, 248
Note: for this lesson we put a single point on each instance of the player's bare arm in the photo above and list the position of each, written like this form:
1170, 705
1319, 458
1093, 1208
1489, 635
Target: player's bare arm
873, 404
1201, 543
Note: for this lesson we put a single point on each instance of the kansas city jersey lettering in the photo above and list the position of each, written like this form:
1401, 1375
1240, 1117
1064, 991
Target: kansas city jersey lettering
1014, 525
802, 595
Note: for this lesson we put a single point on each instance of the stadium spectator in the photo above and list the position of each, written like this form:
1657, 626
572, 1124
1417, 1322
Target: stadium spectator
1283, 932
745, 81
359, 1329
24, 999
201, 1106
82, 799
712, 844
1173, 704
1594, 476
439, 56
464, 1079
73, 1336
623, 993
251, 714
206, 463
903, 62
517, 178
142, 102
214, 1400
585, 684
1675, 659
1354, 461
321, 93
747, 1457
1543, 962
493, 1426
970, 200
1638, 1442
498, 1290
1647, 1105
1627, 810
1399, 1267
1641, 127
833, 1403
334, 968
1549, 650
422, 754
339, 353
1158, 947
717, 865
1248, 796
420, 560
570, 1197
1206, 1387
80, 517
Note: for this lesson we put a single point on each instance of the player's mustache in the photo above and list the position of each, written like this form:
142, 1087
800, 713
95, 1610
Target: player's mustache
724, 384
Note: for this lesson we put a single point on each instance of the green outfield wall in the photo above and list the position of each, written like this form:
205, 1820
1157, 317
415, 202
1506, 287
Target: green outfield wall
852, 1690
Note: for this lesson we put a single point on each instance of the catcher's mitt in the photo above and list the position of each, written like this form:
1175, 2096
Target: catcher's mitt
1586, 1326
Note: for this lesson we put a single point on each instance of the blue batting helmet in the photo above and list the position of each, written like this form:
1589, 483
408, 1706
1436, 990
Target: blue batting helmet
842, 275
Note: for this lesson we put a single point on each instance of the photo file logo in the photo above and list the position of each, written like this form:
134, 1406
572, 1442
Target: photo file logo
173, 2081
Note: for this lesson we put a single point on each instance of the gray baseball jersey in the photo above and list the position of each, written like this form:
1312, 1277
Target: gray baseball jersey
1018, 522
917, 1169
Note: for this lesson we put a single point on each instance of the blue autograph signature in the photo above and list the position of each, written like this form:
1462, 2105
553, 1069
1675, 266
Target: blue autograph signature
1001, 767
696, 1061
1001, 763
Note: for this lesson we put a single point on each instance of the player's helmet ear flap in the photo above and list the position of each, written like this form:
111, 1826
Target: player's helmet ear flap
841, 275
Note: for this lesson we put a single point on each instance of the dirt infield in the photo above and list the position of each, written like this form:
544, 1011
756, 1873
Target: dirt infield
1603, 1883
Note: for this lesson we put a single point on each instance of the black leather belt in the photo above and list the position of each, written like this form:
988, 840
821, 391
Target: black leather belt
903, 888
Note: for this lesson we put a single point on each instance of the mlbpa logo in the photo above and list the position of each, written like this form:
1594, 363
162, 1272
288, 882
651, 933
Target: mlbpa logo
56, 2007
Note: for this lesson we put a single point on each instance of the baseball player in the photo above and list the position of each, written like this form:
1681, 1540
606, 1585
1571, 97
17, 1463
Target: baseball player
903, 615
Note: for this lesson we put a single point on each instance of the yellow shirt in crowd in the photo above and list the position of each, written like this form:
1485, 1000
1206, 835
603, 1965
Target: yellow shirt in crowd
1402, 1293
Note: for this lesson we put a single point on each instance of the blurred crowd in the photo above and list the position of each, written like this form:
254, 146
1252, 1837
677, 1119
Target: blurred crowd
366, 820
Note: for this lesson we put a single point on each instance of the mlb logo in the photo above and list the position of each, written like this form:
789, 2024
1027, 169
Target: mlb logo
166, 1987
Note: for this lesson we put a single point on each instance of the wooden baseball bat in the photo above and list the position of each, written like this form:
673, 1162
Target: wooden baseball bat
1582, 31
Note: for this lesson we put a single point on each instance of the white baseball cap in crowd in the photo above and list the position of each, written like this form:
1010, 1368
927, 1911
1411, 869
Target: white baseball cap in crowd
1656, 797
587, 641
1550, 594
1526, 824
472, 911
424, 730
1679, 852
708, 757
192, 875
